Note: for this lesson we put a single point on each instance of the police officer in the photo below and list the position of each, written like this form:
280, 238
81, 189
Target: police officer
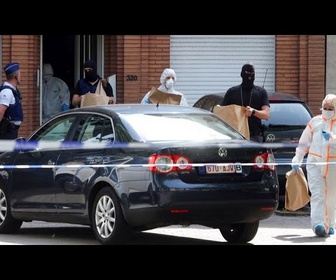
11, 112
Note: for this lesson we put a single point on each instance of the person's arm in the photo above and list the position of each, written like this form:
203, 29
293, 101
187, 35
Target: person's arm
64, 95
3, 109
226, 100
262, 114
304, 144
109, 90
183, 101
231, 97
6, 96
76, 98
145, 99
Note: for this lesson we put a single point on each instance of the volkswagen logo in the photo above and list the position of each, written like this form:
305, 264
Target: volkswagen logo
270, 138
222, 152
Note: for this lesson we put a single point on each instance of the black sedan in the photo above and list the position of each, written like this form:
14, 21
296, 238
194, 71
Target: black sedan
131, 167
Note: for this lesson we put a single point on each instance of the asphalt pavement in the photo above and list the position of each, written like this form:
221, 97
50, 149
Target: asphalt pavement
282, 228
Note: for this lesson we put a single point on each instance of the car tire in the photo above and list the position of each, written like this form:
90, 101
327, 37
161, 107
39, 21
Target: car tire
7, 223
108, 221
239, 233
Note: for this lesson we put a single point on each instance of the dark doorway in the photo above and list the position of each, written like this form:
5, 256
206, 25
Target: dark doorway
59, 51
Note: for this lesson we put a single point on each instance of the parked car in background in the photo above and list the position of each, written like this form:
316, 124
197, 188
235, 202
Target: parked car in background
289, 116
130, 167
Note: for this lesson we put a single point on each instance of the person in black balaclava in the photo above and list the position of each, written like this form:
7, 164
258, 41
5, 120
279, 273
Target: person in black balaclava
247, 73
90, 71
89, 83
253, 98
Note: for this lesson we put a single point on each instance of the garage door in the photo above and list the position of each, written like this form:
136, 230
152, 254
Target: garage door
211, 64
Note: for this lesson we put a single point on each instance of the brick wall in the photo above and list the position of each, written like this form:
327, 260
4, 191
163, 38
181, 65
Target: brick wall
145, 57
25, 49
300, 67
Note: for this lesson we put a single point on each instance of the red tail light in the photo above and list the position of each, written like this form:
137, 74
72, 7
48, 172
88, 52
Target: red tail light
165, 163
265, 161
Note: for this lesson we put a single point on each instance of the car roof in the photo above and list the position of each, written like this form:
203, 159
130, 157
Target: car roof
134, 108
283, 97
274, 97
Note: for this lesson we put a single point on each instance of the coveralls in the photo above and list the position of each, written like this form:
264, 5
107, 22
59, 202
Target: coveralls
55, 94
168, 72
321, 168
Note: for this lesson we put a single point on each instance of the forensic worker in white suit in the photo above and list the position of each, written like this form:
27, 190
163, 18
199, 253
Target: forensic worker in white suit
167, 80
55, 94
318, 140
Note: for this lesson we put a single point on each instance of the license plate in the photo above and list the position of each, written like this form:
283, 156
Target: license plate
227, 168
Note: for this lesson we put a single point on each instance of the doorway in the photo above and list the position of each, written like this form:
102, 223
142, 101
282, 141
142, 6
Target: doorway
67, 53
59, 51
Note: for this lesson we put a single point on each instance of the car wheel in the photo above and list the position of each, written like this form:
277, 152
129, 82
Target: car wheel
239, 233
109, 225
7, 223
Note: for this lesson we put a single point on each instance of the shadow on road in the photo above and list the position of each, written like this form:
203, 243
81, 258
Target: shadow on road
84, 236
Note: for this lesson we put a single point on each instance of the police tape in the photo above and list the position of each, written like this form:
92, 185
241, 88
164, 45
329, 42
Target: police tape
203, 165
21, 145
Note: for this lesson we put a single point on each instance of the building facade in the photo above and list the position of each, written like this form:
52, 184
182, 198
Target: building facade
303, 65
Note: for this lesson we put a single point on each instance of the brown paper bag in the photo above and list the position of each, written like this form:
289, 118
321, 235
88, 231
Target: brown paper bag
235, 116
296, 193
97, 98
156, 96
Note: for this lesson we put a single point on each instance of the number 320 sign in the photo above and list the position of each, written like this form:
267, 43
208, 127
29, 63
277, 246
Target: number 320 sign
131, 78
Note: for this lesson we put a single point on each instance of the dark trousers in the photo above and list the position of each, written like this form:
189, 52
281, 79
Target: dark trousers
257, 138
11, 132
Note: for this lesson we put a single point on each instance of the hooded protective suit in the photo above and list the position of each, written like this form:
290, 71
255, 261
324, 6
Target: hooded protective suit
167, 86
321, 168
55, 94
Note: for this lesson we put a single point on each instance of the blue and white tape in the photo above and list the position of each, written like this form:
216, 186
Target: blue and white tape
22, 145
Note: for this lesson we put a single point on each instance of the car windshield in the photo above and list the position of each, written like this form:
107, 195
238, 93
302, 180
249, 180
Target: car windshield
189, 127
291, 114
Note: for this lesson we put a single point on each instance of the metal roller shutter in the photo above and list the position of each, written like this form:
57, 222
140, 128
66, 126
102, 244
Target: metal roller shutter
211, 64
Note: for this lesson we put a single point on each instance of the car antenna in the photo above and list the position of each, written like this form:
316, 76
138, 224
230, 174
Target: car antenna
265, 78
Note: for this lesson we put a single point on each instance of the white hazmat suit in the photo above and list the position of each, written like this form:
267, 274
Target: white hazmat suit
167, 85
55, 94
318, 140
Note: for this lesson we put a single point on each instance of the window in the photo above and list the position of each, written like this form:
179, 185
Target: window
97, 129
56, 131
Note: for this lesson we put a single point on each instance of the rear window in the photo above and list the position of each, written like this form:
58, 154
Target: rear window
292, 114
189, 127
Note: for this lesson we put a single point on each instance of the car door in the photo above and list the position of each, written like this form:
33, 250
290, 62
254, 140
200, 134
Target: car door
33, 185
77, 168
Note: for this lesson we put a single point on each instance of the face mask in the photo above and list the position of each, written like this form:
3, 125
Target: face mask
169, 83
248, 79
47, 78
91, 76
328, 114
